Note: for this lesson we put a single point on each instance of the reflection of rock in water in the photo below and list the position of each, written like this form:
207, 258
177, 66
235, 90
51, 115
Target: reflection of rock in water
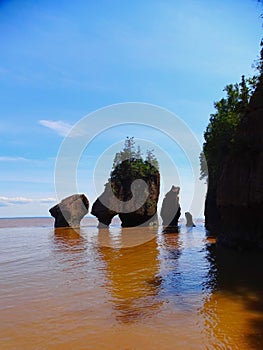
171, 229
210, 282
69, 239
170, 254
171, 244
70, 254
133, 279
233, 310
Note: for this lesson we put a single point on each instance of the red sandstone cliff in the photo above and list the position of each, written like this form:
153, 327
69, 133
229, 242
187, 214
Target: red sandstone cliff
240, 188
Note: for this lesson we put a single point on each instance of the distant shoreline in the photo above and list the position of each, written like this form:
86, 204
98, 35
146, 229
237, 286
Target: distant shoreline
49, 217
33, 217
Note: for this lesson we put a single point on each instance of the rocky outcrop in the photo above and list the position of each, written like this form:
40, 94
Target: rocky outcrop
146, 213
189, 219
102, 207
70, 211
171, 211
134, 201
240, 191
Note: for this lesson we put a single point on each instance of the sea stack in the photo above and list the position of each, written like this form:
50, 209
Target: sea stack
171, 210
134, 202
70, 211
132, 190
189, 219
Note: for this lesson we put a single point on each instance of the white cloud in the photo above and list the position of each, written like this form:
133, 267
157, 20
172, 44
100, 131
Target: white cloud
6, 201
62, 128
12, 159
59, 126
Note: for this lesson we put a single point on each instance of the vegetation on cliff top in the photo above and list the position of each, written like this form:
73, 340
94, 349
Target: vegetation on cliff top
220, 134
129, 163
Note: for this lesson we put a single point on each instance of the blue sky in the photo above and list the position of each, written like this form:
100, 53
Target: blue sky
61, 61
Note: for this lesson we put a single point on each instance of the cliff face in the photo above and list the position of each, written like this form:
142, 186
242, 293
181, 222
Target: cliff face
212, 215
134, 201
239, 196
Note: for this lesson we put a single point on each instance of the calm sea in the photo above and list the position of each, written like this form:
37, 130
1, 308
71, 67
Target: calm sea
125, 289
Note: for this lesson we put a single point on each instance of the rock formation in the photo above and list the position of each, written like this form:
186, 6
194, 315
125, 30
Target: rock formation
70, 211
135, 204
132, 190
240, 189
189, 219
101, 207
146, 213
171, 211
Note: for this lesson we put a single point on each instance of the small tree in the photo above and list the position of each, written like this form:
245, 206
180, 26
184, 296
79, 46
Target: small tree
150, 158
258, 64
129, 163
129, 149
127, 153
138, 154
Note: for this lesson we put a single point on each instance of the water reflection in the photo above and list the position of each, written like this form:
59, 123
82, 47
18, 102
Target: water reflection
70, 253
171, 229
132, 274
170, 253
152, 276
67, 238
210, 283
233, 312
171, 244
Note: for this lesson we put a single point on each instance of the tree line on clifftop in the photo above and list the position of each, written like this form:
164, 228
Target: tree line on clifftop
221, 131
221, 135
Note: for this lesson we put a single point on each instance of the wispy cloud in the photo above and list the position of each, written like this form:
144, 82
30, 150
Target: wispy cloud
47, 200
12, 159
59, 126
6, 201
62, 128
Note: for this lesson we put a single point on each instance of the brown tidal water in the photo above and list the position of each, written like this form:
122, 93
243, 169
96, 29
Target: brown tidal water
127, 289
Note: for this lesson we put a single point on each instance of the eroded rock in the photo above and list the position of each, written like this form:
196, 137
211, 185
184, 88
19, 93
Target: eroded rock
70, 211
134, 201
189, 219
171, 210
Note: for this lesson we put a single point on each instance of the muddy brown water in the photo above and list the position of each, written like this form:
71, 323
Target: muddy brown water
125, 289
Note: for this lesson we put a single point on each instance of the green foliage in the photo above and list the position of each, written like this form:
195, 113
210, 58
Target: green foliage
221, 131
129, 163
203, 167
258, 64
151, 159
127, 153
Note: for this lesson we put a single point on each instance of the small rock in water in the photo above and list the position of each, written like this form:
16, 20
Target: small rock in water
189, 219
